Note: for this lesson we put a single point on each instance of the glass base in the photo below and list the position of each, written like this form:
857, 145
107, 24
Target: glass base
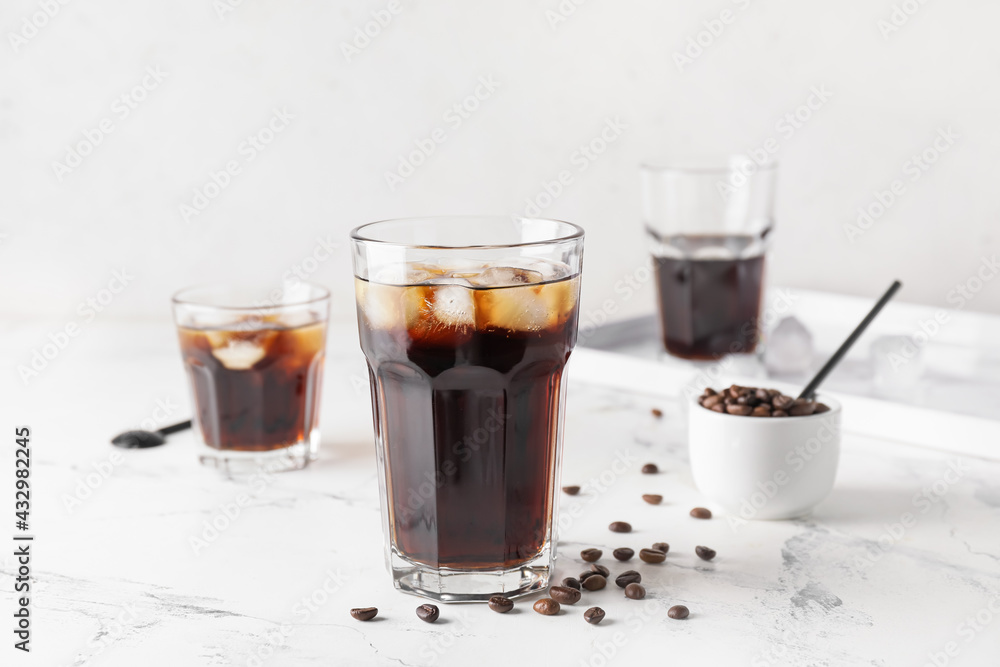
450, 585
241, 464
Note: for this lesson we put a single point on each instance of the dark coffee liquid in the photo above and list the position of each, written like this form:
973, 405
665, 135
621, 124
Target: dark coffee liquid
255, 390
710, 307
468, 416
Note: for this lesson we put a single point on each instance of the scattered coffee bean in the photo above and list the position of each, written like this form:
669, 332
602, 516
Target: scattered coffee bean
600, 569
623, 554
620, 527
595, 582
661, 546
739, 410
500, 604
658, 413
635, 592
571, 582
678, 611
594, 615
364, 613
652, 555
650, 469
705, 553
586, 575
590, 555
564, 594
652, 498
428, 613
627, 577
546, 607
701, 513
571, 490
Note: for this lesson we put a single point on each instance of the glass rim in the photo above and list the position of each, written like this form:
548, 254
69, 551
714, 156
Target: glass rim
357, 234
178, 297
696, 166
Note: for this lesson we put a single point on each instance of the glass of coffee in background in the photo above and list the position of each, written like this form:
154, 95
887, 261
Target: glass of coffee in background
255, 361
708, 229
467, 324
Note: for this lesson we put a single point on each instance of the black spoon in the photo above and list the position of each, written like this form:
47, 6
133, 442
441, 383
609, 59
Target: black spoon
810, 391
145, 439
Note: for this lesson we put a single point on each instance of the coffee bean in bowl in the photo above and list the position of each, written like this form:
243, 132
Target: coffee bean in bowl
758, 402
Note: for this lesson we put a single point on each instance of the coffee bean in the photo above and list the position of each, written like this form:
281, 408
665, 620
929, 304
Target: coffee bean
741, 400
650, 469
739, 410
564, 594
762, 395
761, 411
802, 408
708, 391
678, 611
586, 575
779, 413
620, 527
635, 592
571, 490
500, 604
428, 612
590, 555
600, 569
571, 582
782, 402
595, 582
623, 554
701, 513
652, 498
594, 615
652, 555
364, 613
712, 401
821, 408
718, 408
705, 553
546, 607
627, 577
661, 546
658, 413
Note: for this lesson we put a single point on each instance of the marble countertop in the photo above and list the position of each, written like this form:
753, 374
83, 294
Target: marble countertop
128, 569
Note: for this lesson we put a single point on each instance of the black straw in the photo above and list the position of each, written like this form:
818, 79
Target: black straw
813, 385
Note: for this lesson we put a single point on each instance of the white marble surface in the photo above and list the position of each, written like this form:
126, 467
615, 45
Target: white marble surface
118, 583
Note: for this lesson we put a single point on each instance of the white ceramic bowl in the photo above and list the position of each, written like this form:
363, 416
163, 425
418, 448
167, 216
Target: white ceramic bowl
764, 467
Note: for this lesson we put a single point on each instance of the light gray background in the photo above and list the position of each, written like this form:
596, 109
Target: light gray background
558, 82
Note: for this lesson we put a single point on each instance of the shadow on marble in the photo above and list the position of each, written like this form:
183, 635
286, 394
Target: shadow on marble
850, 504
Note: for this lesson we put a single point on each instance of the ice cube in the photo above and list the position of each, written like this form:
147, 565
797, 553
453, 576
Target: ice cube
503, 276
789, 348
240, 350
381, 304
450, 302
